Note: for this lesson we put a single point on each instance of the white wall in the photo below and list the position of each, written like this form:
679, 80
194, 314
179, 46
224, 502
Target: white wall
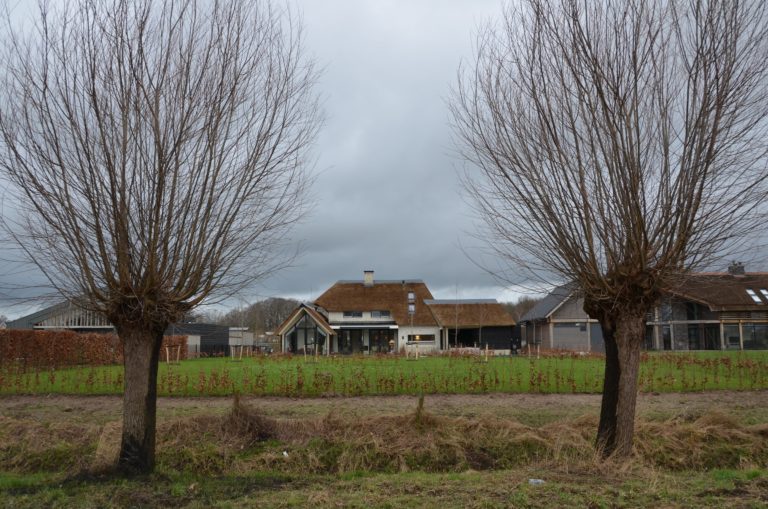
193, 346
404, 332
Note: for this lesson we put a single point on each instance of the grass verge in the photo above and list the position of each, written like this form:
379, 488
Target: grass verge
246, 457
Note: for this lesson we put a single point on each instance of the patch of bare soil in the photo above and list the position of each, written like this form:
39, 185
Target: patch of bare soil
536, 408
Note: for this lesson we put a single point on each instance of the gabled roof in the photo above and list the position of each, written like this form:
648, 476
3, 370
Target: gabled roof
549, 304
469, 313
296, 315
724, 291
390, 295
65, 307
28, 321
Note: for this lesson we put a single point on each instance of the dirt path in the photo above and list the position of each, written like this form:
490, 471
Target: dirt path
531, 409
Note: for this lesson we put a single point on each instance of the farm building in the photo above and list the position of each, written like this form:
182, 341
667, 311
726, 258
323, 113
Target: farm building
380, 316
473, 323
202, 338
706, 311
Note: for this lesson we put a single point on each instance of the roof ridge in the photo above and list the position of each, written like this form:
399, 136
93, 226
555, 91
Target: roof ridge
380, 281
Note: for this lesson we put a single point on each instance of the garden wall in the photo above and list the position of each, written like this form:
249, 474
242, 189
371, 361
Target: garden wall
54, 349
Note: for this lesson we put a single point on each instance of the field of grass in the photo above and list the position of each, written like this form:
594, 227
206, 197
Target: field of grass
389, 375
450, 451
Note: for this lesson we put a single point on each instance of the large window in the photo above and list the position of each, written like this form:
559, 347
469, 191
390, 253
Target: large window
666, 337
380, 314
353, 314
350, 341
306, 337
755, 336
731, 331
382, 340
649, 338
420, 337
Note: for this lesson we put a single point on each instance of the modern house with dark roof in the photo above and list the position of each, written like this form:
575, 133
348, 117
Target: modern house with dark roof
558, 321
705, 311
380, 316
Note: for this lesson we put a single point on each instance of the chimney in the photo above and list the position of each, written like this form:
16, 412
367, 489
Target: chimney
736, 269
367, 278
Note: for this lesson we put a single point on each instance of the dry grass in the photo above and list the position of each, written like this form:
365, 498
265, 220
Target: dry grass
246, 439
386, 452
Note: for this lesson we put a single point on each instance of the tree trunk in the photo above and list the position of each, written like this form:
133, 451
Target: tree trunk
141, 350
630, 332
606, 430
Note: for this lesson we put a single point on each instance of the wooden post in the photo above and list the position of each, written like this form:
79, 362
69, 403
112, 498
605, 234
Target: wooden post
741, 335
167, 356
486, 352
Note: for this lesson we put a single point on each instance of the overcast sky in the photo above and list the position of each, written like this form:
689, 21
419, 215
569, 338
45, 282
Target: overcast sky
388, 193
388, 196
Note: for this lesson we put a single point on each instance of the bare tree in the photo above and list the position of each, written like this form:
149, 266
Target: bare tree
157, 153
261, 316
619, 145
521, 306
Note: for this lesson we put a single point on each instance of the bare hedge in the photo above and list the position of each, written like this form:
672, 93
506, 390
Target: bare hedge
61, 348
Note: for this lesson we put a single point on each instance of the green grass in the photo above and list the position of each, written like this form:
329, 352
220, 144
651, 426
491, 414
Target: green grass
352, 376
508, 488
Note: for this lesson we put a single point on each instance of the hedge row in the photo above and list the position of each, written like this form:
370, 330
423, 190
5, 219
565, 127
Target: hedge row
59, 348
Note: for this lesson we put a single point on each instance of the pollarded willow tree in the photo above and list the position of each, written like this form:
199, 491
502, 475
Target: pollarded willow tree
157, 153
617, 145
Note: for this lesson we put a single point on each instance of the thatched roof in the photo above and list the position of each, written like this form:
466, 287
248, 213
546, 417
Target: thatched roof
726, 292
389, 296
470, 313
297, 314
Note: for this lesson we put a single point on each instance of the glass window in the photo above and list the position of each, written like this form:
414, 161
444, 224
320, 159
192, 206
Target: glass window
380, 314
666, 311
353, 314
731, 332
411, 297
755, 336
420, 337
649, 337
411, 308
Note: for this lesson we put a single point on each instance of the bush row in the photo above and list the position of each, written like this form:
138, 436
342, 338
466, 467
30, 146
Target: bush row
60, 348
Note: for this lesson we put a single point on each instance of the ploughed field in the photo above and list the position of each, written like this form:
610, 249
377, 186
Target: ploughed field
299, 376
698, 449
